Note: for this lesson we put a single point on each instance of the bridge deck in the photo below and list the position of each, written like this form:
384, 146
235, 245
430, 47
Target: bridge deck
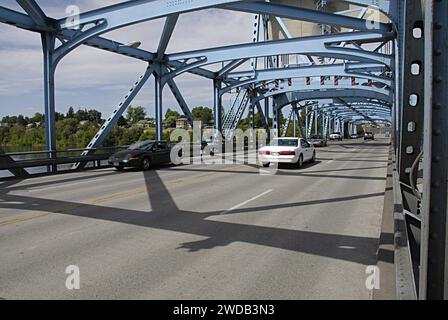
169, 233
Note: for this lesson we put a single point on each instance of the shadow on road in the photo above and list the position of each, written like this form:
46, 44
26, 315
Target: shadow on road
166, 215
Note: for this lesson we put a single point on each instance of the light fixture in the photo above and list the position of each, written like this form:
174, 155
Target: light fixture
134, 44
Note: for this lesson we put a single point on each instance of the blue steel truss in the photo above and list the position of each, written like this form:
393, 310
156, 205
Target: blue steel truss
358, 77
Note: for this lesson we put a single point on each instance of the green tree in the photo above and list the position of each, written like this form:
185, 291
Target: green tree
170, 118
37, 118
122, 122
203, 114
135, 114
70, 113
21, 120
94, 116
82, 115
11, 120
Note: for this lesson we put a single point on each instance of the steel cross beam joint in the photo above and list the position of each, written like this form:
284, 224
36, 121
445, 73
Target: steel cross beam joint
314, 45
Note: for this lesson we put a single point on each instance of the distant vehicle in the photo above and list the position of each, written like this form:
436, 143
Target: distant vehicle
369, 136
142, 155
354, 136
318, 141
287, 150
336, 136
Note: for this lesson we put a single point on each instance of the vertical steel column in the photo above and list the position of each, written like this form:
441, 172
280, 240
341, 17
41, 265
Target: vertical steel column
276, 119
413, 100
306, 122
252, 119
48, 46
267, 111
398, 51
434, 257
252, 114
323, 125
158, 83
299, 119
217, 105
294, 120
316, 119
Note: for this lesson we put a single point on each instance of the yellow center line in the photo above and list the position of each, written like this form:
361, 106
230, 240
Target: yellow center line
118, 196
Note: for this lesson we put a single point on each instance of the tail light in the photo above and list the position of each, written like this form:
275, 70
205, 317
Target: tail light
287, 153
266, 152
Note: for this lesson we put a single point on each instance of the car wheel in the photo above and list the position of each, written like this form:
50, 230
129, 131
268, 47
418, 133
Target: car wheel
313, 159
300, 162
120, 168
146, 164
266, 164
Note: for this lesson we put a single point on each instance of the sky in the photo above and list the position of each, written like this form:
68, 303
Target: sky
92, 78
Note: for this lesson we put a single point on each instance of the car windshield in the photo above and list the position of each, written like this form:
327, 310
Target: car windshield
285, 142
141, 145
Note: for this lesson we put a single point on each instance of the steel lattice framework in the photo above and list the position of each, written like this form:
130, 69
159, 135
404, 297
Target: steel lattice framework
367, 74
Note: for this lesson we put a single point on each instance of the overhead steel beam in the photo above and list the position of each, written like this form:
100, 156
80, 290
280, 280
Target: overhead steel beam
21, 20
388, 7
168, 30
303, 14
34, 11
261, 76
319, 92
128, 13
229, 67
285, 99
314, 45
311, 71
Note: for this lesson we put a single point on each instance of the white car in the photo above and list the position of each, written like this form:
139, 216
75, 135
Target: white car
287, 150
336, 136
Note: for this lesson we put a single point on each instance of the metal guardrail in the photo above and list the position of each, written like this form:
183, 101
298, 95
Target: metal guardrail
17, 166
405, 281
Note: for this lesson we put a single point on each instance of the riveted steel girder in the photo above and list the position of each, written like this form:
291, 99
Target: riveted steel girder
35, 12
315, 45
303, 14
340, 70
314, 92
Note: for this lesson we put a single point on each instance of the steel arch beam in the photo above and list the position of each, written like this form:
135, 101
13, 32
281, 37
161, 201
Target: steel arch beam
327, 110
313, 45
303, 14
339, 70
133, 12
388, 7
284, 100
316, 92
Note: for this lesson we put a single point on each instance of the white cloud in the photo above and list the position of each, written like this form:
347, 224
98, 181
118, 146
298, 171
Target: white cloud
90, 77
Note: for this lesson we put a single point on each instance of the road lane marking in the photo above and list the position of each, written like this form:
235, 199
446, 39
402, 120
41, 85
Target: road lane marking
60, 185
247, 201
24, 218
118, 196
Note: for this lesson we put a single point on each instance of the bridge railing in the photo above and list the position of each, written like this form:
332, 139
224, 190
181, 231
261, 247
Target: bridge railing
406, 286
46, 161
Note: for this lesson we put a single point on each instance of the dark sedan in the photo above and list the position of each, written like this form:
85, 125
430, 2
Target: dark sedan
142, 155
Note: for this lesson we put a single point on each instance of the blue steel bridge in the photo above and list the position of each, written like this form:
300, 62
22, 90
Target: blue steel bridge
182, 232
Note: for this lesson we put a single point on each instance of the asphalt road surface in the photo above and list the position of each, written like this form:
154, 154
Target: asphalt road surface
198, 231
